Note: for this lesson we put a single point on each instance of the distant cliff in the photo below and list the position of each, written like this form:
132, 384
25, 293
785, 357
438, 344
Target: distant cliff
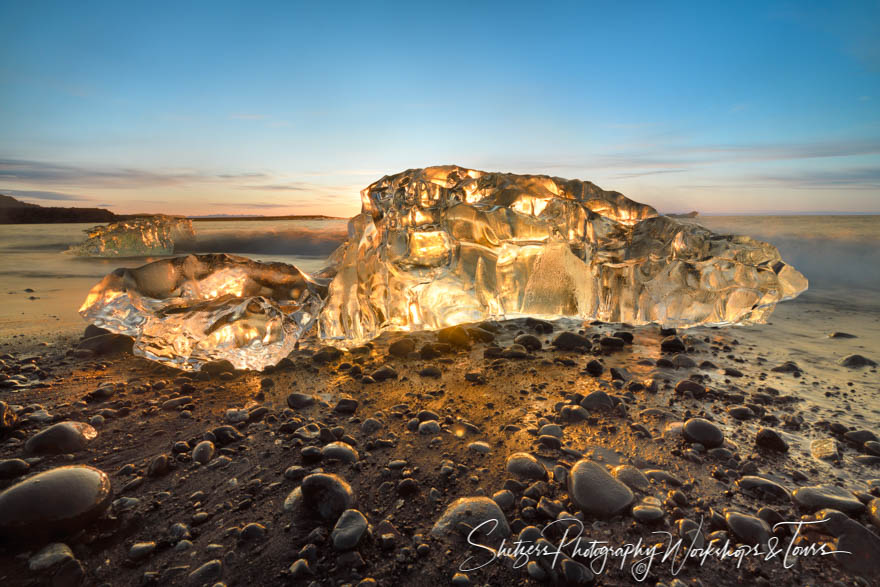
13, 211
692, 214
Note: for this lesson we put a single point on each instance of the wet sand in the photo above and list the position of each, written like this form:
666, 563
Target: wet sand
406, 472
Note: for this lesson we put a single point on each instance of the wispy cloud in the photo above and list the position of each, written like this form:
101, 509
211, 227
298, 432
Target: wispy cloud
650, 172
48, 173
856, 178
43, 195
278, 187
251, 205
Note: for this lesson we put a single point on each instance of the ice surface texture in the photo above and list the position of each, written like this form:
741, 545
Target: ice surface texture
445, 245
138, 237
191, 310
441, 246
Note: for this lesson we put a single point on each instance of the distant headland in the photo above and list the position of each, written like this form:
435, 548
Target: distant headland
14, 211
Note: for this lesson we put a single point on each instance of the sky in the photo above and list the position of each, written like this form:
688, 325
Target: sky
274, 108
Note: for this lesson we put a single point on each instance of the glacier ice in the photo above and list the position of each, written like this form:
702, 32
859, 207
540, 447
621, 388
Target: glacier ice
446, 245
136, 237
187, 311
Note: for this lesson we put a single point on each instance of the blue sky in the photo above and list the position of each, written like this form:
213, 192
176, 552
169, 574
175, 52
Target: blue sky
285, 107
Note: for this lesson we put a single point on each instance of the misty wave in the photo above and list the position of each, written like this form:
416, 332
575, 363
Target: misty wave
294, 241
831, 263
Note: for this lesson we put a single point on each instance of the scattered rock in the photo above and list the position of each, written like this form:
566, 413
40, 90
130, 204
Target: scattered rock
764, 487
568, 341
55, 502
749, 529
672, 344
203, 452
770, 439
819, 497
50, 556
857, 362
595, 491
349, 529
298, 401
472, 512
525, 466
703, 431
401, 347
327, 494
64, 437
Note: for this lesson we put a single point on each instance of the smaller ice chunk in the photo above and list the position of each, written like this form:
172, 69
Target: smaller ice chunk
187, 311
137, 237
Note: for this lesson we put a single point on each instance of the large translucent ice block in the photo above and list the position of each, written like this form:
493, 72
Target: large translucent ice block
444, 245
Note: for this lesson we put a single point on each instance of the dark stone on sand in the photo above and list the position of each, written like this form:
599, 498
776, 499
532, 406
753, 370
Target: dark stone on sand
611, 342
340, 451
575, 573
741, 412
401, 347
595, 491
837, 334
648, 510
595, 368
597, 401
456, 336
226, 434
326, 354
217, 367
690, 386
64, 437
749, 529
860, 547
631, 477
55, 502
529, 341
298, 401
384, 372
470, 512
107, 344
539, 326
480, 334
859, 437
431, 371
819, 497
764, 487
672, 344
570, 340
525, 466
787, 367
209, 573
857, 362
349, 529
703, 431
770, 439
346, 405
203, 452
327, 494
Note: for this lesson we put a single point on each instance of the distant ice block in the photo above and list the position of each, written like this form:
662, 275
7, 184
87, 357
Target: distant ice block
441, 246
138, 237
